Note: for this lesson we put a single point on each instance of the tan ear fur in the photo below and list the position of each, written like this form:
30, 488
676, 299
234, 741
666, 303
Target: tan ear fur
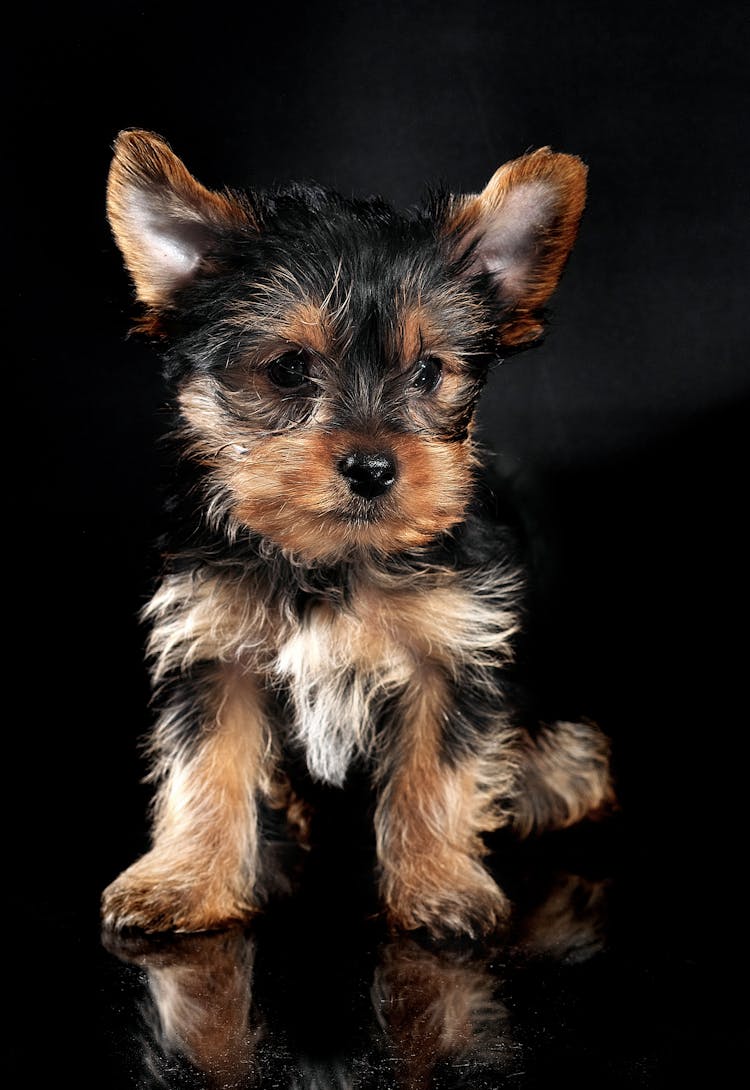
164, 221
520, 230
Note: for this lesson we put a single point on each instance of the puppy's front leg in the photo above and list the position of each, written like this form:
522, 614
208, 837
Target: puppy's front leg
201, 871
433, 806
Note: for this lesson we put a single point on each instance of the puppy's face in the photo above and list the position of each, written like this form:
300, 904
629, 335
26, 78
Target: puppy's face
328, 352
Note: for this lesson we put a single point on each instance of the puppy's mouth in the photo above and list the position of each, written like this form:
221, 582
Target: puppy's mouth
366, 518
365, 512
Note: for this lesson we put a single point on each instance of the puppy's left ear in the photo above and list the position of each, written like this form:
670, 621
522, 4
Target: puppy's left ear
169, 227
519, 232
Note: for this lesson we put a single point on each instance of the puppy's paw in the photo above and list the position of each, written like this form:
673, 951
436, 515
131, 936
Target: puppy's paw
469, 903
564, 777
150, 897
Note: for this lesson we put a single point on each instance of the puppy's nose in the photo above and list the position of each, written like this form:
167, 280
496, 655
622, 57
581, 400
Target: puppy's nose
368, 475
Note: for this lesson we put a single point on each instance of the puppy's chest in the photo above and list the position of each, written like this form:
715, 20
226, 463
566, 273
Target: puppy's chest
339, 666
342, 666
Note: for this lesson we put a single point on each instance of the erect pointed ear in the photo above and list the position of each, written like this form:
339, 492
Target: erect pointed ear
519, 231
166, 223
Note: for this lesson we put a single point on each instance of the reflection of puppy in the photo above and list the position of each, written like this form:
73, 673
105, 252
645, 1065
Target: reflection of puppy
333, 586
200, 992
565, 924
438, 1009
434, 1009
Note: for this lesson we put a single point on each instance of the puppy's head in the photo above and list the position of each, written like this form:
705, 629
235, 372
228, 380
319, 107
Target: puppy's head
329, 352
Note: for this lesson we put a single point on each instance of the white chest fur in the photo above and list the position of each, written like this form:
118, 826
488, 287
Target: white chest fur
342, 665
340, 669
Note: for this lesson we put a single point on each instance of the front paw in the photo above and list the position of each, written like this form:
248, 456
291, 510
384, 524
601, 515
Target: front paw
467, 902
153, 897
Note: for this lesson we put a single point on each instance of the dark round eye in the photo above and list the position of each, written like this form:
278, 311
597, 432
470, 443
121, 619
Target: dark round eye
427, 374
289, 371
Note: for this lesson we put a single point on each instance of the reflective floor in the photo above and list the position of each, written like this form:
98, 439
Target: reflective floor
596, 984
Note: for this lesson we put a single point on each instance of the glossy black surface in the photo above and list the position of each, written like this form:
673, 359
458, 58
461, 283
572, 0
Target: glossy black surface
599, 982
285, 1003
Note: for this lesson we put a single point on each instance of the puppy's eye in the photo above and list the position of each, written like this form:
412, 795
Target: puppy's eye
426, 375
290, 371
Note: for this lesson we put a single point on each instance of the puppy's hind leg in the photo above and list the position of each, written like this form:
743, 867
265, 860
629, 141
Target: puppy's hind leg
564, 776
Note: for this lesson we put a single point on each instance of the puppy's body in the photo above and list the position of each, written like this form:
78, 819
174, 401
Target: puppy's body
333, 587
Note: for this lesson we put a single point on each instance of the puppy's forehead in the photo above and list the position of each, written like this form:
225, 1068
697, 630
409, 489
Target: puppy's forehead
349, 282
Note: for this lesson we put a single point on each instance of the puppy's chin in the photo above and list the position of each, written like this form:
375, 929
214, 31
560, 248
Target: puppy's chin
342, 533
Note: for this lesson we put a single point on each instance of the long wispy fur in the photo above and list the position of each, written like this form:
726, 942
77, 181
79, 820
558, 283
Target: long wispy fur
335, 588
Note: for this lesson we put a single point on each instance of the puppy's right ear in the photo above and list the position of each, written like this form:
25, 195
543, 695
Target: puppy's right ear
518, 233
168, 226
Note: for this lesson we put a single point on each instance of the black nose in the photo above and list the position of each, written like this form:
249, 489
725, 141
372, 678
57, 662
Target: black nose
369, 475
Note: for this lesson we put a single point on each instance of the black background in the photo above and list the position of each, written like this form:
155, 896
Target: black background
623, 435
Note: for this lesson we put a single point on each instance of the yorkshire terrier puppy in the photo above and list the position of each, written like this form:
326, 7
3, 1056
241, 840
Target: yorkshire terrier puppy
333, 588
